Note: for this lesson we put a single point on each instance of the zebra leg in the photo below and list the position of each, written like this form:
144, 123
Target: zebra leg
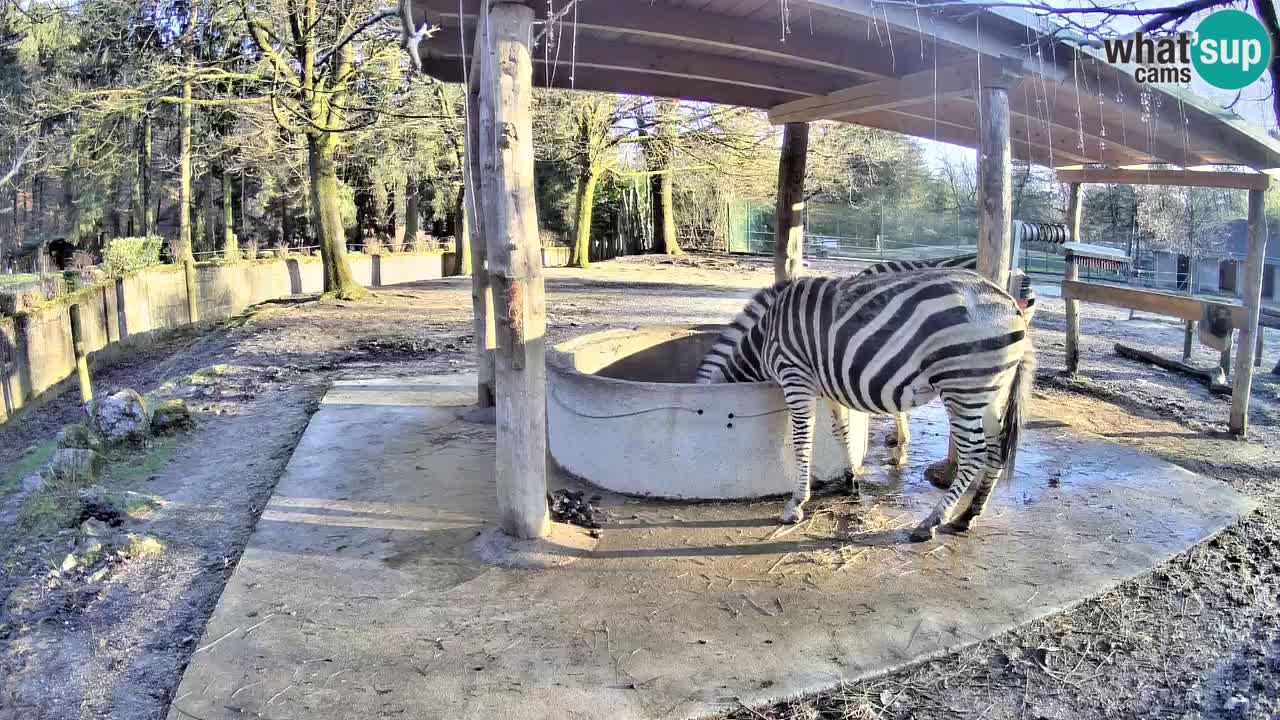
801, 403
902, 439
971, 465
840, 429
978, 504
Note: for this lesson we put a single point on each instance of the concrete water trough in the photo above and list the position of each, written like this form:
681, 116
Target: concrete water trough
624, 414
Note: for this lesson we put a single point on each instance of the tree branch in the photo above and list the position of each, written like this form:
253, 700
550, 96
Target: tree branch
17, 163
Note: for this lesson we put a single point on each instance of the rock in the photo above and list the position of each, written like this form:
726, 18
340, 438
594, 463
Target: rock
74, 467
1238, 704
99, 575
170, 415
32, 483
69, 563
79, 436
95, 528
121, 417
96, 503
139, 546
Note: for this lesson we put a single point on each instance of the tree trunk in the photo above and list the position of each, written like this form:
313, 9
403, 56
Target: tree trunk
666, 185
230, 246
338, 281
587, 181
182, 248
285, 229
788, 235
411, 218
199, 227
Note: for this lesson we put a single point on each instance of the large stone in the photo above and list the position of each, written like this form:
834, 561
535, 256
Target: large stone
74, 467
80, 436
121, 417
170, 416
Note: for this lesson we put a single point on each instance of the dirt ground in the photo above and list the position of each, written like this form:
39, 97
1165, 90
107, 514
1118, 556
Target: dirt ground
1196, 638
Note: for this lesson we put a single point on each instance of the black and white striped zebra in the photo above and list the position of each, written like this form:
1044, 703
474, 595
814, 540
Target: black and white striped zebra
884, 344
900, 440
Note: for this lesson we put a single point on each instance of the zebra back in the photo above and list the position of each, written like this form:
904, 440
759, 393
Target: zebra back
1026, 296
736, 355
959, 262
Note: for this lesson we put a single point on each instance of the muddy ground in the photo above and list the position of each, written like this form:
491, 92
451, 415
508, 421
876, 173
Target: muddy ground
1197, 637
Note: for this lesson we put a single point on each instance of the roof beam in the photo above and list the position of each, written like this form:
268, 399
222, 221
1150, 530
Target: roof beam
1176, 177
964, 36
895, 92
630, 57
448, 68
712, 32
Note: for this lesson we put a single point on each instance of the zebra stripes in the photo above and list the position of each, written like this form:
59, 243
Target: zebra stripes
883, 344
900, 441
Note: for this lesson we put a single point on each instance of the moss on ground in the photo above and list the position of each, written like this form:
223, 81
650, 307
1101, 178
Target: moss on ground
204, 376
29, 464
50, 509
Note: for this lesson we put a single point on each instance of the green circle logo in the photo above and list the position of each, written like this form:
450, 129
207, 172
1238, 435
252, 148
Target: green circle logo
1232, 49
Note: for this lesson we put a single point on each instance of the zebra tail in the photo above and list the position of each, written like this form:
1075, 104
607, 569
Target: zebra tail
1015, 412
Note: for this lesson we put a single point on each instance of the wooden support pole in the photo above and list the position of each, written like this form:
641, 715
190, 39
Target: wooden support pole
189, 273
788, 234
515, 271
1188, 335
474, 196
1243, 381
995, 196
1075, 213
82, 361
1257, 350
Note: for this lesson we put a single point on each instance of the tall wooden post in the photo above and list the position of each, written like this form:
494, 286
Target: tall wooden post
788, 234
474, 196
1075, 213
82, 361
515, 271
1188, 337
189, 274
995, 170
1252, 297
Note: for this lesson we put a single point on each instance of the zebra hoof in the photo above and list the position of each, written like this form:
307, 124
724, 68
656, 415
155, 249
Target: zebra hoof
898, 458
922, 534
940, 475
957, 527
791, 515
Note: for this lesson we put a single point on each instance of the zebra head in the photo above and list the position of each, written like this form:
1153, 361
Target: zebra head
738, 354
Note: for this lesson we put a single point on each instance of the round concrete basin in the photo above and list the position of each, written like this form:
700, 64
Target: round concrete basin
624, 414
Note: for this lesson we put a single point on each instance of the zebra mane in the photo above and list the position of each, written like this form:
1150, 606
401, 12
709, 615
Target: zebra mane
725, 361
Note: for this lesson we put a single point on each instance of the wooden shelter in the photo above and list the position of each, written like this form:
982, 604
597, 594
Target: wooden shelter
994, 80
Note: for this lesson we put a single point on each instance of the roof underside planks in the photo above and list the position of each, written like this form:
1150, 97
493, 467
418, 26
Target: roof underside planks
1068, 106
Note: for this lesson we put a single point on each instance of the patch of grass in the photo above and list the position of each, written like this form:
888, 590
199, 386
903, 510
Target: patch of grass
17, 279
29, 464
51, 509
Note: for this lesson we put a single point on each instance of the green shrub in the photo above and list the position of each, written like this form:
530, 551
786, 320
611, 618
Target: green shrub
130, 254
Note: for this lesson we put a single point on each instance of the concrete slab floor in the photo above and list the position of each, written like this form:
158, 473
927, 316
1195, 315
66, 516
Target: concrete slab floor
360, 596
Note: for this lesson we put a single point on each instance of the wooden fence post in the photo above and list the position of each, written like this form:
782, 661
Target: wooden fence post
1252, 297
1075, 214
82, 361
515, 272
788, 233
1188, 335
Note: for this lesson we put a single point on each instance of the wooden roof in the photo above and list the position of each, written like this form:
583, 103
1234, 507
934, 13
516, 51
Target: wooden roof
878, 65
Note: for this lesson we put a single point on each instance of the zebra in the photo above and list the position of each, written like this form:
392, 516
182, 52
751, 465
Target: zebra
883, 344
900, 440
